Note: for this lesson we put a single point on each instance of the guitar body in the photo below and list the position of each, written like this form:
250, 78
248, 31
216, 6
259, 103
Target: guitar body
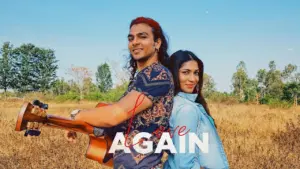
98, 150
98, 146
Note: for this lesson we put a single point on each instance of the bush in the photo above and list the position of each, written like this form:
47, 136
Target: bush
225, 98
69, 96
276, 103
94, 96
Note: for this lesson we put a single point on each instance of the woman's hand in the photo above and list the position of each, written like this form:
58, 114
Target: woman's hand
71, 136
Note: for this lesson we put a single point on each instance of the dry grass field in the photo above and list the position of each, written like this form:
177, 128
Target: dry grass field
255, 137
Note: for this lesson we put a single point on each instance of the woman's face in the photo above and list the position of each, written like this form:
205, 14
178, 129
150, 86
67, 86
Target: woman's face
189, 76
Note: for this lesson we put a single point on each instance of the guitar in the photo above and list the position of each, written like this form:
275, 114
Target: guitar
98, 146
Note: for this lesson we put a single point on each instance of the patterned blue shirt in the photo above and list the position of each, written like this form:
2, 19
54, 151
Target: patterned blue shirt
156, 83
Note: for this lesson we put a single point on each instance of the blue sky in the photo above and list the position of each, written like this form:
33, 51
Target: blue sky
221, 33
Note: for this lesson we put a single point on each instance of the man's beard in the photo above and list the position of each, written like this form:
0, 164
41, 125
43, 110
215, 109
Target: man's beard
145, 58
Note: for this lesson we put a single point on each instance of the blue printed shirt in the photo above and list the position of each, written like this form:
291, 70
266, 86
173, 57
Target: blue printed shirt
156, 82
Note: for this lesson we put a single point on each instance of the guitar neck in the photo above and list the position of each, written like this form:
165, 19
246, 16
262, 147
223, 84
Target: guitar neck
68, 124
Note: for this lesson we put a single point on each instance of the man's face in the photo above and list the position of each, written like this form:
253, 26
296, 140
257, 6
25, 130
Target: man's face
141, 42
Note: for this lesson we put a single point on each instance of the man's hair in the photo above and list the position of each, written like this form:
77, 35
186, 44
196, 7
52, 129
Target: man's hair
158, 33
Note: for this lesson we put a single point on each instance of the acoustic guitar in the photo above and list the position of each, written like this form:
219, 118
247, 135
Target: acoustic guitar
98, 146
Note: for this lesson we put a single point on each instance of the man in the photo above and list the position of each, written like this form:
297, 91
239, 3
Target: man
150, 78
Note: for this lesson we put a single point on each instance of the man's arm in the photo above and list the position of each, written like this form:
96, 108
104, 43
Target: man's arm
116, 113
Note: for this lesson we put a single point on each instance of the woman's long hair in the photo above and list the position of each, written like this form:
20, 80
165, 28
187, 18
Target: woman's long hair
158, 33
177, 59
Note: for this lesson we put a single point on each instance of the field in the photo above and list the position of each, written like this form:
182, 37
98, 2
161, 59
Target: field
254, 137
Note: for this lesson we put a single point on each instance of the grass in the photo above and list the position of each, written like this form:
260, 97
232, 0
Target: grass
254, 137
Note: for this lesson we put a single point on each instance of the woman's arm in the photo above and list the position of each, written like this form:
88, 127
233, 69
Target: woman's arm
116, 113
186, 116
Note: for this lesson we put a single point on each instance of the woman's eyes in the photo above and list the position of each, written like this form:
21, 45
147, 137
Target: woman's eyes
196, 73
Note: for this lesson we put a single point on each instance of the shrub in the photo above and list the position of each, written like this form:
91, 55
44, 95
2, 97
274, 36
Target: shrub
69, 96
225, 98
276, 103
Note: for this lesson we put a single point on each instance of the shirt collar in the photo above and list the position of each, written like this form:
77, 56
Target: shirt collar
189, 96
154, 63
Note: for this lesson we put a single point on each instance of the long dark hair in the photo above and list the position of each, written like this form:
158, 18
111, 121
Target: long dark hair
176, 61
158, 33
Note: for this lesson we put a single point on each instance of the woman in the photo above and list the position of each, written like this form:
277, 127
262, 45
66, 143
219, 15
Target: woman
190, 110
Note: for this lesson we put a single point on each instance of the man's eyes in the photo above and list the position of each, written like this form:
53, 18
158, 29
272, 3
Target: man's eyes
142, 37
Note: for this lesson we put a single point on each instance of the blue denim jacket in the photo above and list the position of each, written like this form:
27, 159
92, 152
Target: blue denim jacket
186, 112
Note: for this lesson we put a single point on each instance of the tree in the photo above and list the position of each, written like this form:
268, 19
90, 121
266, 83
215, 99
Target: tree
80, 74
270, 82
291, 91
208, 85
89, 86
262, 81
103, 77
251, 90
239, 81
6, 67
60, 87
35, 68
46, 68
274, 83
23, 64
287, 73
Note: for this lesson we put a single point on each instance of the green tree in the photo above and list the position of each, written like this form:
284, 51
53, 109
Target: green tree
35, 68
24, 64
89, 86
6, 67
288, 71
60, 87
103, 77
274, 83
291, 91
46, 69
251, 90
239, 81
270, 84
262, 81
208, 85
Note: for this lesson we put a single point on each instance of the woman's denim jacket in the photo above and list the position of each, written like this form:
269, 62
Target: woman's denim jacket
186, 112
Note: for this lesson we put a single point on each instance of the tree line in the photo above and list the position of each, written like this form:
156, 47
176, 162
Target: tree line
29, 68
269, 86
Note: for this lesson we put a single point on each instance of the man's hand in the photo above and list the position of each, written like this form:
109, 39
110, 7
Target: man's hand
33, 128
71, 136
